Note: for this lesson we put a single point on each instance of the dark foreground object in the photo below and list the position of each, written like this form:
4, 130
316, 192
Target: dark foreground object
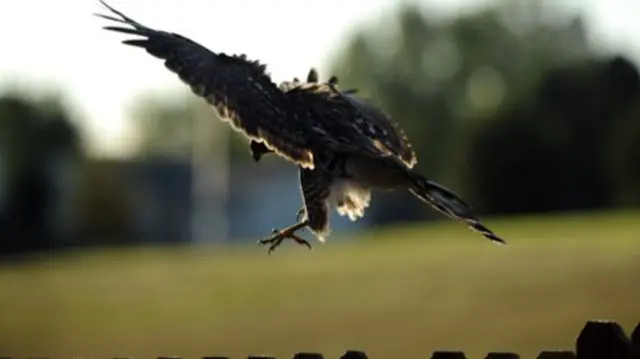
597, 340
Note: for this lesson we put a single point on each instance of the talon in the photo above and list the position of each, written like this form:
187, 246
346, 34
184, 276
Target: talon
275, 241
301, 241
279, 236
267, 240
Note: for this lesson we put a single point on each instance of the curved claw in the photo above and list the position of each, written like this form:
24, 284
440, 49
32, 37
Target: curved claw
301, 241
306, 243
271, 248
275, 241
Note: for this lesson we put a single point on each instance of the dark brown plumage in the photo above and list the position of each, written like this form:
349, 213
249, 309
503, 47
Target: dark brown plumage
344, 146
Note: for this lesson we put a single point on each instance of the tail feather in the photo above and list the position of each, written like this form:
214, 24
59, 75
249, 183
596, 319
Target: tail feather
450, 204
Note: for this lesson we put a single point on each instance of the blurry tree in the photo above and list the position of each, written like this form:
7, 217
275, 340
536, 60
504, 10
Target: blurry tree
105, 202
509, 106
554, 150
38, 140
166, 126
622, 157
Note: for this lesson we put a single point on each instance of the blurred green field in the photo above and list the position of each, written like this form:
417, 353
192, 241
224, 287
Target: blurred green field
394, 293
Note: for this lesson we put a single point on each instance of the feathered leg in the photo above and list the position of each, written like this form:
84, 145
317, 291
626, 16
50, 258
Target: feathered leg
315, 187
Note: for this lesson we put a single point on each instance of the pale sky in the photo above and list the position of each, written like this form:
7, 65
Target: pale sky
60, 44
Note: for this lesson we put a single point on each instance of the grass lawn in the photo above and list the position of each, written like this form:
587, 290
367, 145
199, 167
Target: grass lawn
395, 293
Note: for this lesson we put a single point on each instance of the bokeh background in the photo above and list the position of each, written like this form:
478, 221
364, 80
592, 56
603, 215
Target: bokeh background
129, 212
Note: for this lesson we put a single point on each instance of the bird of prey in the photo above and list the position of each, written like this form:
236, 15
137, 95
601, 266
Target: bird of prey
343, 146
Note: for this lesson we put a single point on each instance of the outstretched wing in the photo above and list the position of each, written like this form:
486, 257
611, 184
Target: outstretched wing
240, 90
367, 124
258, 149
345, 124
383, 131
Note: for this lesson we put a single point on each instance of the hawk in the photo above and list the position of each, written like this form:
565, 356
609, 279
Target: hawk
343, 146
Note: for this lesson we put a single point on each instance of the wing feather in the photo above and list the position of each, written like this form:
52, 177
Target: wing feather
385, 133
351, 126
239, 89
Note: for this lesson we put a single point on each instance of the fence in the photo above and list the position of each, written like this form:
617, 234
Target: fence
597, 340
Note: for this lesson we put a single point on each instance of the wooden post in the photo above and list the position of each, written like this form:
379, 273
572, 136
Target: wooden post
448, 355
603, 340
557, 354
495, 355
635, 337
354, 354
308, 356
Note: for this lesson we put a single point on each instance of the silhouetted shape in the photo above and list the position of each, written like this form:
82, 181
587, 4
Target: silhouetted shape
502, 356
635, 337
621, 76
448, 355
604, 340
559, 354
344, 146
304, 355
354, 354
598, 339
